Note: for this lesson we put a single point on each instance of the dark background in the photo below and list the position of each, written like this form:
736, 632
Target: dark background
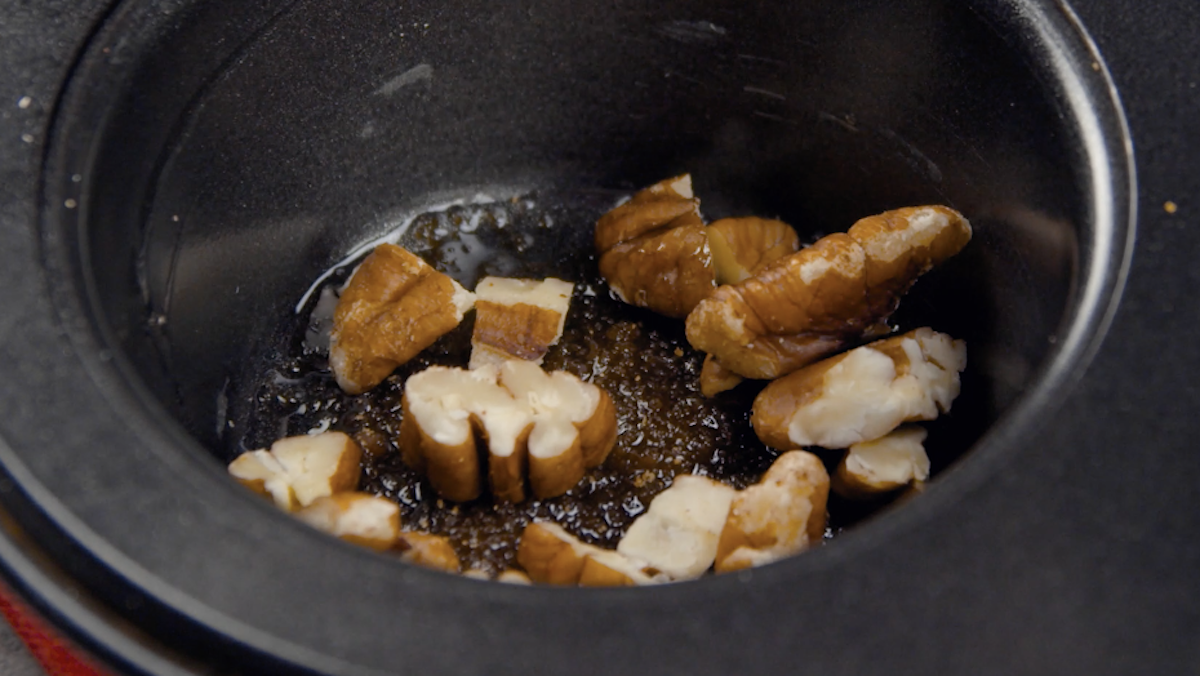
1107, 575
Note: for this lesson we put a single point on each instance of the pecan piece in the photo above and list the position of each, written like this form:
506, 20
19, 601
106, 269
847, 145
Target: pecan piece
654, 249
678, 534
518, 319
551, 555
715, 378
393, 306
428, 550
299, 470
779, 516
546, 428
359, 518
872, 468
821, 299
742, 246
862, 394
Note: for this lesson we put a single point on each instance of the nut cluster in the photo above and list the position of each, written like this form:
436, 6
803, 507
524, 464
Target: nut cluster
753, 300
395, 305
656, 252
315, 477
858, 399
695, 525
777, 307
825, 297
780, 309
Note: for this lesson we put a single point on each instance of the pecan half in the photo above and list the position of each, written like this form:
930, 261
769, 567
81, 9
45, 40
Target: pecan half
821, 299
654, 249
394, 306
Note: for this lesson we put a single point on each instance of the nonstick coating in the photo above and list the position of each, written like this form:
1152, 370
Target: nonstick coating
325, 128
211, 159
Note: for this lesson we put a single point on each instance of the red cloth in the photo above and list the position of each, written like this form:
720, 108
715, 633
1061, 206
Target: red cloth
56, 656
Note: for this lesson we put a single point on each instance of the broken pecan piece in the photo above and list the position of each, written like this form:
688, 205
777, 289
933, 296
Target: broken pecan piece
511, 576
779, 516
551, 555
872, 468
606, 568
298, 470
428, 550
654, 249
862, 394
518, 319
678, 534
818, 300
715, 378
359, 518
394, 306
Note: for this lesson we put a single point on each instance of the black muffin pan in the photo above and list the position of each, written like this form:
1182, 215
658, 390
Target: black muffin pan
178, 174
